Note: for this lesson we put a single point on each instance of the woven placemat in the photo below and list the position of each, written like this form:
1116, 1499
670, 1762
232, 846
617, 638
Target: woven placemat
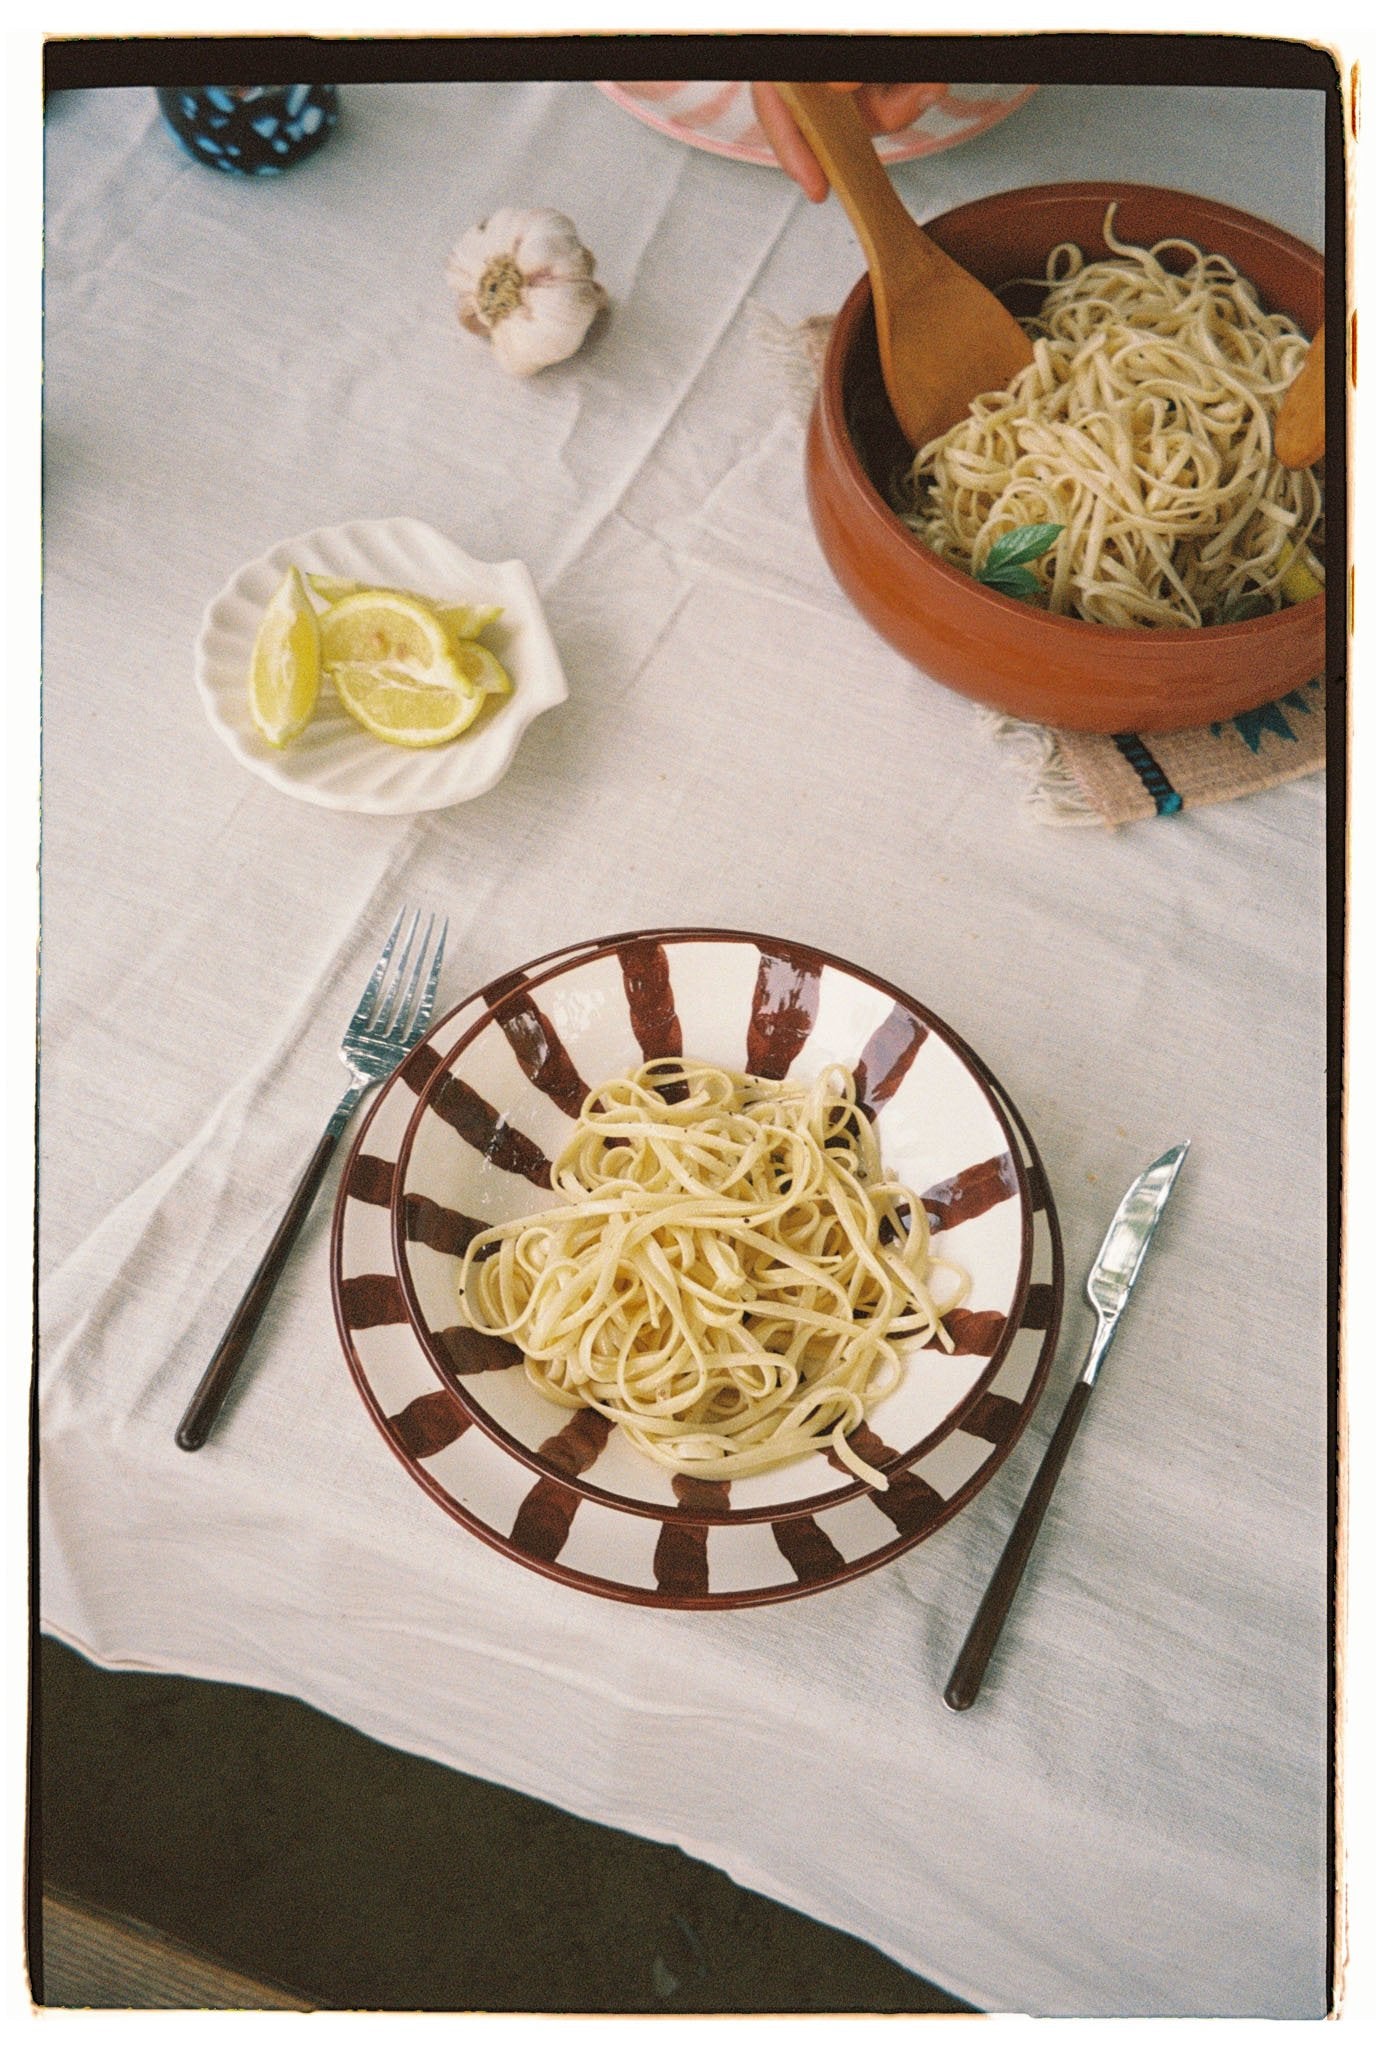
1080, 778
1076, 778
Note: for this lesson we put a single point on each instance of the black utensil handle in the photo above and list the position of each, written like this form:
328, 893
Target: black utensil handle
216, 1382
981, 1640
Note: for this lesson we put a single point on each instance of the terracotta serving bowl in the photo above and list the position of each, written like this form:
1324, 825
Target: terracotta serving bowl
996, 649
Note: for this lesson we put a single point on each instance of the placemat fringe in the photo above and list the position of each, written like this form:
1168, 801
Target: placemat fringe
1053, 792
796, 350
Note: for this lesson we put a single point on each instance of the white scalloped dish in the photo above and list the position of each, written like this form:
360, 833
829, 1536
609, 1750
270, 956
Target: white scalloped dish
336, 763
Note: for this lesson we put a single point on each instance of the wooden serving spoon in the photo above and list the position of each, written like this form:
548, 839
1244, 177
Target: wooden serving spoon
1299, 423
942, 336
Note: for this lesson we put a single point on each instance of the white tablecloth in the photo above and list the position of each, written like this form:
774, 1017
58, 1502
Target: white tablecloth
1132, 1819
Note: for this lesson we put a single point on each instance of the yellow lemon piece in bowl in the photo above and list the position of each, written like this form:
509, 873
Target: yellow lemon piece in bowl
391, 631
1299, 583
397, 671
285, 667
462, 621
482, 668
400, 669
406, 713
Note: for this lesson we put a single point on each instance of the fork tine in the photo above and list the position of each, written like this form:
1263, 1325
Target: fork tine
389, 1003
424, 1008
401, 1027
372, 986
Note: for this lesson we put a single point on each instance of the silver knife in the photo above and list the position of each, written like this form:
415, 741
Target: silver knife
1109, 1285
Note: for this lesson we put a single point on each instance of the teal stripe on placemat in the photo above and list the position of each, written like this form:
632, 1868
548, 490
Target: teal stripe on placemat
1250, 727
1156, 782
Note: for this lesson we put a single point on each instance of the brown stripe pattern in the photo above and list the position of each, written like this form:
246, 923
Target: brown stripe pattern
977, 1332
544, 1520
428, 1424
886, 1058
537, 1045
444, 1230
785, 1000
1041, 1197
869, 1446
971, 1193
370, 1180
503, 985
368, 1300
419, 1066
680, 1563
651, 1000
1038, 1309
993, 1417
700, 1496
467, 1351
483, 1128
908, 1502
807, 1549
575, 1447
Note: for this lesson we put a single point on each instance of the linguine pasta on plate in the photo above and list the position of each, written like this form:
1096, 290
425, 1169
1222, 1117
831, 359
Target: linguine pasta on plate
729, 1275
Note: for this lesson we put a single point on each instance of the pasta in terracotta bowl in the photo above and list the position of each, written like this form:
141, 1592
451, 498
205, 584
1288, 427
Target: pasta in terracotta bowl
1109, 545
717, 1228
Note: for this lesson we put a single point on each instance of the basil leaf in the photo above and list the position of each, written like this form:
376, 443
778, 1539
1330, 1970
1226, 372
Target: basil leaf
1248, 604
1022, 544
1013, 582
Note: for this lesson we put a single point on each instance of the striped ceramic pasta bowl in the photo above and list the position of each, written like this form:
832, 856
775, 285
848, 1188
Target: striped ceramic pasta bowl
500, 1103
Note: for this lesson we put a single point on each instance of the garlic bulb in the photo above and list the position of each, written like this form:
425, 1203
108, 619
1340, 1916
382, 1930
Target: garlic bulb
524, 278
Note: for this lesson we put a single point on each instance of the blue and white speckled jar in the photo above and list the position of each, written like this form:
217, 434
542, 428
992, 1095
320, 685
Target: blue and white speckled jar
250, 130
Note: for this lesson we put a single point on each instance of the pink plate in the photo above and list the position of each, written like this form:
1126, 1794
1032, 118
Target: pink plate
718, 115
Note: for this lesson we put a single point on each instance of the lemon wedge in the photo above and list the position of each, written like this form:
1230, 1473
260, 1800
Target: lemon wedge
482, 668
408, 668
332, 588
390, 631
396, 670
285, 667
462, 621
1299, 583
405, 713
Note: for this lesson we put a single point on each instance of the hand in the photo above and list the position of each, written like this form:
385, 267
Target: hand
885, 109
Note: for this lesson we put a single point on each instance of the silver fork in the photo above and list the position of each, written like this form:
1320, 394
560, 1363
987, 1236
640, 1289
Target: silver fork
386, 1025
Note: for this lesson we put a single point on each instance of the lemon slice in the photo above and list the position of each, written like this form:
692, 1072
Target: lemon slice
285, 668
332, 588
462, 621
1299, 583
406, 713
481, 668
390, 631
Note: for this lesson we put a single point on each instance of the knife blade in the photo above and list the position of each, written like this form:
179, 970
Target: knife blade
1108, 1289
